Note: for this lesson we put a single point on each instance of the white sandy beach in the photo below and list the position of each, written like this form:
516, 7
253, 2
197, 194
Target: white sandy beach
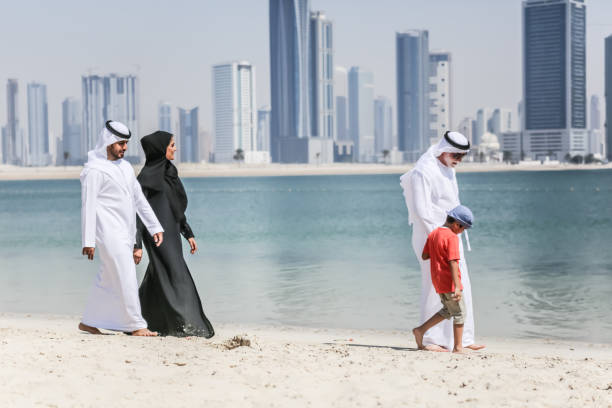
234, 170
46, 362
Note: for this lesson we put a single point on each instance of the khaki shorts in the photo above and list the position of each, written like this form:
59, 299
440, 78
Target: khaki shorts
452, 308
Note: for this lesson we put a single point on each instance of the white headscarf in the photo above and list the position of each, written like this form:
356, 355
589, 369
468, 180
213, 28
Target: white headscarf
443, 146
98, 157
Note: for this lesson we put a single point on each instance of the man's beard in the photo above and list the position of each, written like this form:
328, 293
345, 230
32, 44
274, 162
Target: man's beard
116, 155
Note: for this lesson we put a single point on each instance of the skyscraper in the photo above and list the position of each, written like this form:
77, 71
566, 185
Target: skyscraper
501, 121
554, 78
595, 113
596, 136
9, 143
383, 123
111, 97
164, 112
483, 124
234, 110
361, 113
38, 125
466, 128
608, 89
341, 110
321, 77
71, 132
263, 129
188, 135
412, 70
289, 51
439, 94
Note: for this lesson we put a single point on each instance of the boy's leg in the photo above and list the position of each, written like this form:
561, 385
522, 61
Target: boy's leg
420, 331
458, 334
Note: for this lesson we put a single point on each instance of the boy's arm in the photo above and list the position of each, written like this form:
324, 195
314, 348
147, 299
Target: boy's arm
454, 267
425, 254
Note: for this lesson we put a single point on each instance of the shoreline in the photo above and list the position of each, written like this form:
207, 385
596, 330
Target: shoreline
190, 170
47, 361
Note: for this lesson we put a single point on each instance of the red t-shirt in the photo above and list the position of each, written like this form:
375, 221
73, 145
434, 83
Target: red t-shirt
442, 246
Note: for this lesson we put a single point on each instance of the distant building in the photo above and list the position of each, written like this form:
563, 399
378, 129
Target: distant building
205, 144
38, 125
289, 79
466, 128
235, 112
188, 148
597, 141
554, 78
608, 92
383, 122
71, 152
111, 97
164, 113
344, 151
510, 146
440, 118
489, 148
412, 70
341, 91
361, 113
263, 129
10, 139
322, 100
501, 121
342, 125
483, 122
3, 141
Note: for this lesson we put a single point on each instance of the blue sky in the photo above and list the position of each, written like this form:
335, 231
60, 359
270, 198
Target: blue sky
171, 46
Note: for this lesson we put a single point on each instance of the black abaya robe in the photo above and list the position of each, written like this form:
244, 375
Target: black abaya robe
168, 297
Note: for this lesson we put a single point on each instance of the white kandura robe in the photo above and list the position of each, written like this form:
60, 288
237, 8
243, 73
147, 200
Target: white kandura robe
111, 197
430, 190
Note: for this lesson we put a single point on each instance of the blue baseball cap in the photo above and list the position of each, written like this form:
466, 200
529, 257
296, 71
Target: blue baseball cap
462, 215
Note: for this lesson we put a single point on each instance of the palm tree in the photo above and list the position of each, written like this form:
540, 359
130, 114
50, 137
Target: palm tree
66, 157
239, 156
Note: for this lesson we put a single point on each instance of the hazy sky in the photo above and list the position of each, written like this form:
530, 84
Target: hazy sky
171, 46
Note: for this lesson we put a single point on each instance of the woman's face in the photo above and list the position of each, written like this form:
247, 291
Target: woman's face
171, 149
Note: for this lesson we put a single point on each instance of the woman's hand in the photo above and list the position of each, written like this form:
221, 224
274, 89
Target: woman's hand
137, 256
193, 245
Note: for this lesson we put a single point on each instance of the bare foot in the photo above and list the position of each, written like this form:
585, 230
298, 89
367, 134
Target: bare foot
144, 333
418, 337
458, 350
89, 329
475, 346
435, 348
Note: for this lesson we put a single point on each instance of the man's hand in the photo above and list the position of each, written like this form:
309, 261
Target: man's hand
89, 251
457, 295
137, 256
158, 238
193, 245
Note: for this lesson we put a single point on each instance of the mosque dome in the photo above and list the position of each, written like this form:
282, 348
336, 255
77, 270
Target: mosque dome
489, 142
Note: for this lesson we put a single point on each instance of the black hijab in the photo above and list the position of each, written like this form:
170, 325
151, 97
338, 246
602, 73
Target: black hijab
159, 174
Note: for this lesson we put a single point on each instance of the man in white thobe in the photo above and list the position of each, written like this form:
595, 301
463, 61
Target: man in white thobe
430, 190
111, 197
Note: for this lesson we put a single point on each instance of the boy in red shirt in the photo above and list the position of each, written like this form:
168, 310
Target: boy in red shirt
442, 247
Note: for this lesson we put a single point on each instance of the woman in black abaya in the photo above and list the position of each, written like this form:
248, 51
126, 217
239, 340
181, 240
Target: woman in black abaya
168, 297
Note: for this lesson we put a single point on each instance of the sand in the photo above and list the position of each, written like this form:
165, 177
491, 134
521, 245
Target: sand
234, 170
46, 362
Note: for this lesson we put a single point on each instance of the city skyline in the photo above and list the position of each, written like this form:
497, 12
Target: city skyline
478, 60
